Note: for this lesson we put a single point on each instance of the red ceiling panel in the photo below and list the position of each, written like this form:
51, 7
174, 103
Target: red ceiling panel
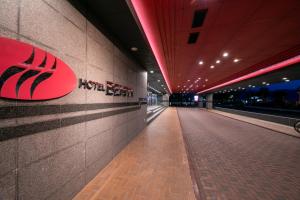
258, 32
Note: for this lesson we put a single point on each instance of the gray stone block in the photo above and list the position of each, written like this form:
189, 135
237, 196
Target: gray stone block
9, 14
70, 189
96, 167
43, 178
7, 156
67, 10
98, 126
96, 74
51, 28
120, 70
37, 146
96, 146
117, 148
119, 134
8, 186
96, 35
119, 119
99, 56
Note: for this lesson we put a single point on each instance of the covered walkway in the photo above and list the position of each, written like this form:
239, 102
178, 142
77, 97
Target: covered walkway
153, 166
229, 160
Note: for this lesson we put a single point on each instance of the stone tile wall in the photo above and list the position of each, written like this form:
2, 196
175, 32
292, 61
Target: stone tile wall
56, 162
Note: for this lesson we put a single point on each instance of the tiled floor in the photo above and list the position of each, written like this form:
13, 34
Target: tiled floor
152, 167
234, 160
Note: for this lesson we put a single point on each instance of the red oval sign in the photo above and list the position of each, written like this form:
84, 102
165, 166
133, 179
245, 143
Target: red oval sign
29, 73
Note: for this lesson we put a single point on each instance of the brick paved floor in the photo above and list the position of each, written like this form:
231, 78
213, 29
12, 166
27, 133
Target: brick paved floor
234, 160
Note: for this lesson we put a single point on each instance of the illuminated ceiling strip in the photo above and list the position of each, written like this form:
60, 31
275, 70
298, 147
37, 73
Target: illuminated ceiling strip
154, 89
271, 68
137, 5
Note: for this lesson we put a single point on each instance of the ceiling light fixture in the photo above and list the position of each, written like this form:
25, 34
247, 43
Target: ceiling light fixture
287, 80
189, 80
134, 49
225, 54
264, 83
206, 80
201, 62
151, 71
154, 89
284, 78
218, 61
212, 66
236, 60
158, 80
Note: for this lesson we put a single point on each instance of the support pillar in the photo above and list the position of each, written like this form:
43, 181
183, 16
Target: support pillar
209, 101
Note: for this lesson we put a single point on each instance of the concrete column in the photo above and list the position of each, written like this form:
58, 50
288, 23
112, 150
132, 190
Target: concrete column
165, 100
209, 101
201, 103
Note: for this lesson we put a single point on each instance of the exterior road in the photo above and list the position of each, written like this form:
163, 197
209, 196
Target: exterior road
234, 160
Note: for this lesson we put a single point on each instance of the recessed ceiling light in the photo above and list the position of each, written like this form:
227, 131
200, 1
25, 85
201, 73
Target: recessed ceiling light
134, 48
253, 86
284, 78
201, 62
189, 80
199, 78
151, 71
236, 60
212, 66
268, 84
178, 86
249, 85
287, 80
225, 54
218, 61
206, 80
162, 85
158, 80
264, 83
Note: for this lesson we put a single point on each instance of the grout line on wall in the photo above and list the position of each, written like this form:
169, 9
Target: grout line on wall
18, 19
62, 15
85, 99
17, 139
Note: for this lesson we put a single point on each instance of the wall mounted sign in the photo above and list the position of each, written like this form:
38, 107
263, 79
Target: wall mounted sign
29, 73
111, 88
